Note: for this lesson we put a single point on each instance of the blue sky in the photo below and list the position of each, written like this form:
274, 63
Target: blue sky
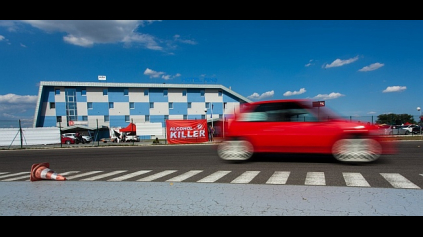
359, 67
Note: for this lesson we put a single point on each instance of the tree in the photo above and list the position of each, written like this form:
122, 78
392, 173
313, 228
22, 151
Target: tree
395, 119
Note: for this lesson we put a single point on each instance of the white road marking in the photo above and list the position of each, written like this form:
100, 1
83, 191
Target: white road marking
128, 176
156, 176
184, 176
315, 178
399, 181
82, 175
214, 177
246, 177
279, 177
355, 180
104, 175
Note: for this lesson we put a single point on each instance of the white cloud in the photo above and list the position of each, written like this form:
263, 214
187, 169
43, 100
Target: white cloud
2, 37
163, 75
371, 67
289, 93
152, 73
15, 106
394, 89
256, 96
309, 63
338, 62
18, 99
330, 96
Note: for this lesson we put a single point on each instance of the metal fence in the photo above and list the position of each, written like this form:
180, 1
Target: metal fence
28, 123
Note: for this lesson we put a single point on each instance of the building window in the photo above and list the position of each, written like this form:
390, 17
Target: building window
104, 91
147, 118
57, 92
125, 91
203, 116
52, 105
111, 105
164, 92
106, 118
184, 93
151, 105
145, 92
220, 116
185, 117
189, 105
207, 105
202, 92
90, 105
131, 105
84, 118
224, 105
83, 92
170, 105
127, 119
220, 93
166, 117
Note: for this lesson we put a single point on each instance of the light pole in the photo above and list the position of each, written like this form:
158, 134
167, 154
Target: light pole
420, 122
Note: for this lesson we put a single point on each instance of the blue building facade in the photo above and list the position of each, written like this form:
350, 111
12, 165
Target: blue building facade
100, 104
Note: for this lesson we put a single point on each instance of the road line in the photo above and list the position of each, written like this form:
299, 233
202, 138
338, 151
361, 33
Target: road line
315, 178
104, 175
156, 176
399, 181
213, 177
246, 177
355, 180
128, 176
82, 175
184, 176
279, 177
14, 174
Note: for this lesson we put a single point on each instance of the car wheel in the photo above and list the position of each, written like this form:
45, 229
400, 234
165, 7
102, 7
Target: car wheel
235, 150
68, 142
407, 132
356, 150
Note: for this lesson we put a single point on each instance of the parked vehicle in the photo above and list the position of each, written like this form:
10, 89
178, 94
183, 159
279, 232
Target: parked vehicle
417, 129
79, 139
68, 140
299, 126
401, 130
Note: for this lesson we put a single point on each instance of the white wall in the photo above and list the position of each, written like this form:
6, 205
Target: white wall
30, 136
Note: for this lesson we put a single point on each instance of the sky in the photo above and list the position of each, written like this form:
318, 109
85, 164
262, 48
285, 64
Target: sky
358, 67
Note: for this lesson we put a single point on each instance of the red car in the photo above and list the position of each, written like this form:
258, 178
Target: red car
68, 140
299, 126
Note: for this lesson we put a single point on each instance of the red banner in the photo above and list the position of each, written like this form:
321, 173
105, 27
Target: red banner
186, 131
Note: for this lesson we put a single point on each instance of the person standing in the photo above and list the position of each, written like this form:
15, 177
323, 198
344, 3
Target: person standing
211, 132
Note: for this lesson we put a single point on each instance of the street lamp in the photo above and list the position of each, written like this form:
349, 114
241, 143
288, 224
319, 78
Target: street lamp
420, 122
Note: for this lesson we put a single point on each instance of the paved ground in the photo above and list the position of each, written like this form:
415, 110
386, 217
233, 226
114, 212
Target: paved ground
71, 198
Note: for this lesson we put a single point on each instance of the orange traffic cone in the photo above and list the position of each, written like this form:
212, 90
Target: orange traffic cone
41, 171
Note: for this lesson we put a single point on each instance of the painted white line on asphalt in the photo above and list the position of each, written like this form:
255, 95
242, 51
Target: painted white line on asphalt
315, 178
355, 180
213, 177
156, 176
128, 176
399, 181
184, 176
279, 177
246, 177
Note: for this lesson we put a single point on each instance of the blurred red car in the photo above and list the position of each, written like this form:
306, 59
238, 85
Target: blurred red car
68, 140
300, 126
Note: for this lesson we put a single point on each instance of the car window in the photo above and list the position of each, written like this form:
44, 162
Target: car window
278, 112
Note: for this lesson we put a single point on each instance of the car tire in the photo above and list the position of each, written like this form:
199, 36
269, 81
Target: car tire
236, 150
356, 150
68, 142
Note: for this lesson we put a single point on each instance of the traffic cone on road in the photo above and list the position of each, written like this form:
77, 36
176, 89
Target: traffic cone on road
41, 171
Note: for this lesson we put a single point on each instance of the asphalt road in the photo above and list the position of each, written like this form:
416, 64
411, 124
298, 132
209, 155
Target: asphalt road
162, 196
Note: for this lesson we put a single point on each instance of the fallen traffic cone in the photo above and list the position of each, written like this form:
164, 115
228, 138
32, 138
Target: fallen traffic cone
41, 171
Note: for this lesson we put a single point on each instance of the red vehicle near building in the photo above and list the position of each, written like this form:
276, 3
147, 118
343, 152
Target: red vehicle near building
300, 126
